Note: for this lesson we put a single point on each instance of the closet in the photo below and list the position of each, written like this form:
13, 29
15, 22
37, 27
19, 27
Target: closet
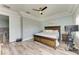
4, 29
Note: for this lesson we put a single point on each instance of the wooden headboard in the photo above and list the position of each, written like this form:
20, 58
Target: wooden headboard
54, 28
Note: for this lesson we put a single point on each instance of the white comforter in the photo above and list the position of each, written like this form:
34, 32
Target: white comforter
50, 35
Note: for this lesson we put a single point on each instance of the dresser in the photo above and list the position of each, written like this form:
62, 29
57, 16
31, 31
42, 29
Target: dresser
64, 37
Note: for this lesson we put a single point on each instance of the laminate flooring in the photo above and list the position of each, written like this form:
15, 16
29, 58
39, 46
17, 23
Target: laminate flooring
32, 48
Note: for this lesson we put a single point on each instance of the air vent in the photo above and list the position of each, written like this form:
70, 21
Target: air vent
6, 6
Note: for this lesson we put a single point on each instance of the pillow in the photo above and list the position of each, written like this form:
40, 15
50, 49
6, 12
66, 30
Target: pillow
50, 31
55, 31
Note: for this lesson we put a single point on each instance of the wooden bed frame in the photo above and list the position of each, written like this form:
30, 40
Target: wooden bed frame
48, 41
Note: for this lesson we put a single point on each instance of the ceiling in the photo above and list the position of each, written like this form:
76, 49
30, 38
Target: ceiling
53, 9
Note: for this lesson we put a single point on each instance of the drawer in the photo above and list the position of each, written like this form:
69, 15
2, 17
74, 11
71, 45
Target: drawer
36, 38
49, 42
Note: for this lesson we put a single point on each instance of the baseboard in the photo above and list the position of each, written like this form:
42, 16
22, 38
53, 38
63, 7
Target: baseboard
28, 38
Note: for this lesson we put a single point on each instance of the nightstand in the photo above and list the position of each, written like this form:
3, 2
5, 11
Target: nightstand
64, 37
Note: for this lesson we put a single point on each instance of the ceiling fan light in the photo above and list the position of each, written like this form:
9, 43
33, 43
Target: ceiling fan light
40, 12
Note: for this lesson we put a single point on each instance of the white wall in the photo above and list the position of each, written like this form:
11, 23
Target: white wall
76, 16
4, 21
30, 27
14, 28
66, 20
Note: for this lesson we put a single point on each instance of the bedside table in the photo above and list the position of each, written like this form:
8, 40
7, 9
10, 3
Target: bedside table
64, 37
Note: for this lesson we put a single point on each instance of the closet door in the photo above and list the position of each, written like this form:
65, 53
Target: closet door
14, 28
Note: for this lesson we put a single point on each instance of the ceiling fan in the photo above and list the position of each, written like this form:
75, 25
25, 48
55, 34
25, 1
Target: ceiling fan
40, 10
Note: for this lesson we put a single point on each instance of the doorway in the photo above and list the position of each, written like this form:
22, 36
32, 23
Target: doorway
4, 29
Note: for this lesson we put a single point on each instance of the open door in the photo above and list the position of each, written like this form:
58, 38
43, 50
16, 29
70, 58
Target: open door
4, 29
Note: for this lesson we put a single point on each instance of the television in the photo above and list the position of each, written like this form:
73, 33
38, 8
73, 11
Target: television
70, 39
71, 28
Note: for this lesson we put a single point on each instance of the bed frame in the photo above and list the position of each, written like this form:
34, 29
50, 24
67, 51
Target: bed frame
48, 41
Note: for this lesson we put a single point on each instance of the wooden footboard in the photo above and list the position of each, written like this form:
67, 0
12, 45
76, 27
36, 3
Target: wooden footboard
49, 41
45, 40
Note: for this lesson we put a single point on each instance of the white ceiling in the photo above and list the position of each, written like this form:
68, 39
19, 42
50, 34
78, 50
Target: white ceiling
53, 9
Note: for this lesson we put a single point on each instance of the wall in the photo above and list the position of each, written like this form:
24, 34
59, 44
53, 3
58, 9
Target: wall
66, 20
4, 21
76, 15
30, 27
14, 27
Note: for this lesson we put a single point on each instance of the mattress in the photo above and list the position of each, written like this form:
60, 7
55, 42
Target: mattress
50, 35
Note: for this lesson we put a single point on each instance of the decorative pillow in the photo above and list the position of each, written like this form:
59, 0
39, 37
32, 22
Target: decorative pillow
55, 31
51, 31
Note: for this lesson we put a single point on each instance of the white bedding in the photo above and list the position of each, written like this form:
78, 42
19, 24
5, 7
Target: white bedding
50, 35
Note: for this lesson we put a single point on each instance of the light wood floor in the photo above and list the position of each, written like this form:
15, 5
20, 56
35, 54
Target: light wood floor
31, 48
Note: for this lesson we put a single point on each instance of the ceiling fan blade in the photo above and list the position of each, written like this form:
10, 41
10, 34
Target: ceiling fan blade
44, 8
36, 10
6, 6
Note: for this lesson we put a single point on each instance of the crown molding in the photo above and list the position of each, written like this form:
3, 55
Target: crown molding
45, 18
71, 11
29, 16
75, 8
55, 16
58, 16
7, 12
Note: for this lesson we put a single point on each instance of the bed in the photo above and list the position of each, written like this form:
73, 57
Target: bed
51, 36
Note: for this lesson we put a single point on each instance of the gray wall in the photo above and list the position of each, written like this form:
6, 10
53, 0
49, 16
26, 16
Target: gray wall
30, 27
67, 20
4, 21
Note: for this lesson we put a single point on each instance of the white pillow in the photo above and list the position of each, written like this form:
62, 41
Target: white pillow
49, 31
55, 31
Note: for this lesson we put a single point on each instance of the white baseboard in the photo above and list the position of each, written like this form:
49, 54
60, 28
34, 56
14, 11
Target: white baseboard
28, 38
